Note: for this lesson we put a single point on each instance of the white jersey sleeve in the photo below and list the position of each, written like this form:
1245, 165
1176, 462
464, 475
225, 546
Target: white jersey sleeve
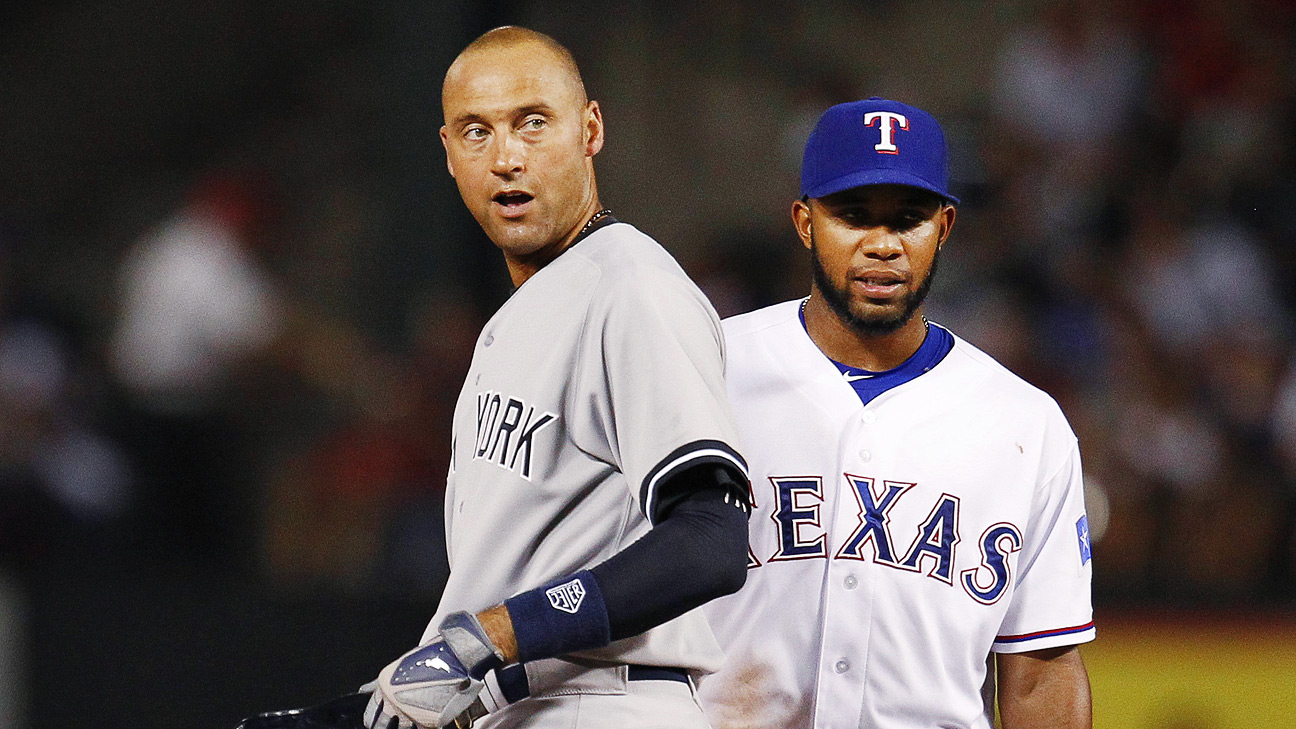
1050, 606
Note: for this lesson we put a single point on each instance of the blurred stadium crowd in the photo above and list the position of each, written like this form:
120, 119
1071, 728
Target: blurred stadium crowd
243, 374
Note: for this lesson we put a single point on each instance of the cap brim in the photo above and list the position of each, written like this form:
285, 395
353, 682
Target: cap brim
876, 177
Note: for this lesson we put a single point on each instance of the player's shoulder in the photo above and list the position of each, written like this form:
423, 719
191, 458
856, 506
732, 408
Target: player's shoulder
631, 268
621, 250
980, 375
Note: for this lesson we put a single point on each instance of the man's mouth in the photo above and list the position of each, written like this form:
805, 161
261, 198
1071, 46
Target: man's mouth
512, 203
878, 284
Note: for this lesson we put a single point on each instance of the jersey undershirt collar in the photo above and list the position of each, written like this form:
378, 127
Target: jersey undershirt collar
868, 385
602, 222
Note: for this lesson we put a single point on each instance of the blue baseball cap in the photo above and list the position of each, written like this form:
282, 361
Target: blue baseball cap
875, 142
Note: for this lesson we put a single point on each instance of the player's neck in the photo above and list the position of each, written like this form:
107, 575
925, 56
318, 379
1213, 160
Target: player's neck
521, 268
872, 352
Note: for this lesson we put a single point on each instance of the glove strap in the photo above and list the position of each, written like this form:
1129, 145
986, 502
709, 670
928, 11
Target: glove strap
475, 711
463, 632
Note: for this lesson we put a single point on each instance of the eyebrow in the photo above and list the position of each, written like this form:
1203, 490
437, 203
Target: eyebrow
535, 107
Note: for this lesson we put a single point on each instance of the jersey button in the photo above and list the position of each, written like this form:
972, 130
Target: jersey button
866, 456
850, 582
841, 666
869, 417
489, 340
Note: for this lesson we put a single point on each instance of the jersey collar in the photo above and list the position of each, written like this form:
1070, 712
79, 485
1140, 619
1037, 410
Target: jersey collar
869, 385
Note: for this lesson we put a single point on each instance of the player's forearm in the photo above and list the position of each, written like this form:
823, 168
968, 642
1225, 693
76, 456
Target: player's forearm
499, 628
1047, 688
696, 553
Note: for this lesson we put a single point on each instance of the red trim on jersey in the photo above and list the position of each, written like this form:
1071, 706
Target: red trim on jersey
1044, 633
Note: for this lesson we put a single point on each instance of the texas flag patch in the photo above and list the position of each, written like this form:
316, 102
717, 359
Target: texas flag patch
1082, 533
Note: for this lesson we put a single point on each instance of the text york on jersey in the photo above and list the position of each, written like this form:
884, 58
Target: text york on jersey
932, 550
506, 429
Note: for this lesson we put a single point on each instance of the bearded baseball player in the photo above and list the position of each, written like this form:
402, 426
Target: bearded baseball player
918, 516
594, 498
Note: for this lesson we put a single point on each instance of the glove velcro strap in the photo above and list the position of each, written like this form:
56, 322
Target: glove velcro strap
564, 616
463, 632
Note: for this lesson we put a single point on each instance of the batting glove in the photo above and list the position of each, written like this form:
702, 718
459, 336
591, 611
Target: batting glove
432, 684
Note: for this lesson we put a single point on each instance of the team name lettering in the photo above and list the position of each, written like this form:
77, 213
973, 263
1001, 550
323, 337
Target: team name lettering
873, 520
936, 540
887, 122
986, 584
798, 509
933, 551
506, 429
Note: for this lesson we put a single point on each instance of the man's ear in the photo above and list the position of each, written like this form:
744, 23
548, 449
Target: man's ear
947, 214
445, 142
593, 129
801, 220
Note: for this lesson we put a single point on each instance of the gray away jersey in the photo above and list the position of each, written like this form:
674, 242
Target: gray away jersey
601, 375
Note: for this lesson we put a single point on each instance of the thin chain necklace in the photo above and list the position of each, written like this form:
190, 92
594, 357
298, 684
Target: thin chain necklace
806, 300
593, 219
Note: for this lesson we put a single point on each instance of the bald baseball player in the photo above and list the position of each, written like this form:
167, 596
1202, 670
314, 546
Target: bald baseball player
595, 498
918, 513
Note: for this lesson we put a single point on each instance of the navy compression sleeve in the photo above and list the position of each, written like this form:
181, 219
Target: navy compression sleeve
696, 553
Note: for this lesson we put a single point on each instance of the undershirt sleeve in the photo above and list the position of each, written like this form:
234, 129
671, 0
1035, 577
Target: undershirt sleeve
696, 552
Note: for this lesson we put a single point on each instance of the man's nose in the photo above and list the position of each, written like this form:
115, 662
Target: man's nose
510, 155
881, 243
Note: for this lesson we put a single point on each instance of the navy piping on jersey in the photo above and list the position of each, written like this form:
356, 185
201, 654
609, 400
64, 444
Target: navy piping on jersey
684, 457
868, 385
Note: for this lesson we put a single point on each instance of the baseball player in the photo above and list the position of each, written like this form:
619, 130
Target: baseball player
594, 498
917, 508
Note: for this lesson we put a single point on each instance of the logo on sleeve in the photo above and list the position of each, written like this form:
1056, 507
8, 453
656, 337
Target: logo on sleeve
1082, 533
567, 597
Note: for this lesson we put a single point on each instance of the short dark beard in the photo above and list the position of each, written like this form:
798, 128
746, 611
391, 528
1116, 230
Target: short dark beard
838, 299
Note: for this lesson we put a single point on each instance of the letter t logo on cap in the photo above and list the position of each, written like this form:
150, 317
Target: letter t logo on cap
887, 123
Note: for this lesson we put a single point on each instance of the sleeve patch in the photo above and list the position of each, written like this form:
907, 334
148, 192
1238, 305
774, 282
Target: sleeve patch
1082, 534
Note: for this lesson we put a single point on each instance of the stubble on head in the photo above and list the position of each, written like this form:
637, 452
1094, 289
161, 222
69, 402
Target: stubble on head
508, 38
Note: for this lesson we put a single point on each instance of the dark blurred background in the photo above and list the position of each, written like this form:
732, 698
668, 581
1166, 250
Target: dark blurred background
238, 292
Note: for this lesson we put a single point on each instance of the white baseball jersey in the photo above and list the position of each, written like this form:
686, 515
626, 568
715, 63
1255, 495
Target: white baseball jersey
894, 545
600, 376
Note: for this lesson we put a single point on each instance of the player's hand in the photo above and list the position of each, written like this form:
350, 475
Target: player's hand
432, 684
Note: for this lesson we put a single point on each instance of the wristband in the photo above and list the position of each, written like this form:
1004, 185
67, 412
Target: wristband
560, 617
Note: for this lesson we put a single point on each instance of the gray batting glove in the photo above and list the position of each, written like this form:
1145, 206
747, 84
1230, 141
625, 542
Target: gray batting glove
432, 684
